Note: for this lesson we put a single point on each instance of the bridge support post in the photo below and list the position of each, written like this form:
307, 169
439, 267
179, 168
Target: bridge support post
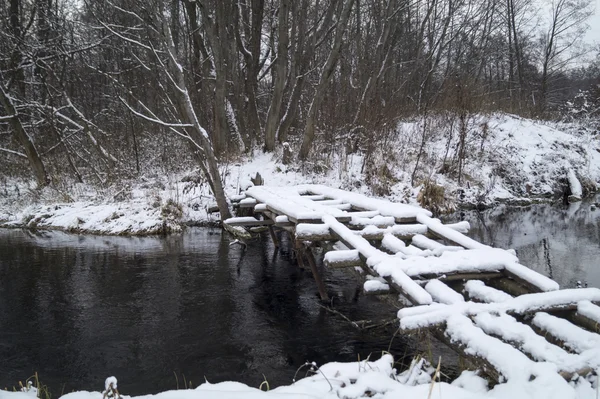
273, 237
316, 275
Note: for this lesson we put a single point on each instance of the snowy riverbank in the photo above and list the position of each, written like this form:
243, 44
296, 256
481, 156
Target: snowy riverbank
508, 160
377, 379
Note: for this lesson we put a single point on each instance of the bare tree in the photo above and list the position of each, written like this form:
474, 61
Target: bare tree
326, 74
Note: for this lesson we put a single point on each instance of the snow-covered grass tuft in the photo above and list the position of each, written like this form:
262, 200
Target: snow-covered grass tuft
378, 379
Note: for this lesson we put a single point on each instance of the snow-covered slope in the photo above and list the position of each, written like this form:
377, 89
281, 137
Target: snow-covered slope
507, 159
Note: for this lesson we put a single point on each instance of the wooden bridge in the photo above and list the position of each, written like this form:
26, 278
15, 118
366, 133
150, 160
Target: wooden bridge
509, 320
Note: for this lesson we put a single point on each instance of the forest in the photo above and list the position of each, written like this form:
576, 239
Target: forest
98, 91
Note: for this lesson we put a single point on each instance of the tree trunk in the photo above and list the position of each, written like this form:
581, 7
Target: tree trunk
197, 133
326, 73
274, 113
23, 138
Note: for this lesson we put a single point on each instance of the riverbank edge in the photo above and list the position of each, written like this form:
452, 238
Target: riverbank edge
170, 226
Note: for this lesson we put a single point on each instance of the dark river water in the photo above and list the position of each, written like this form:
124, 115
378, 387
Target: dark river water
78, 309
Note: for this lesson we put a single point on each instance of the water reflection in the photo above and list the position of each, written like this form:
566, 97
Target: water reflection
80, 308
562, 242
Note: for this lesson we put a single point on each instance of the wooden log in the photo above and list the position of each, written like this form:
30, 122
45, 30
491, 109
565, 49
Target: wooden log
340, 259
331, 202
388, 280
370, 233
479, 362
237, 231
343, 207
582, 321
569, 375
313, 267
237, 198
247, 203
441, 293
212, 209
469, 276
314, 197
509, 286
247, 221
274, 237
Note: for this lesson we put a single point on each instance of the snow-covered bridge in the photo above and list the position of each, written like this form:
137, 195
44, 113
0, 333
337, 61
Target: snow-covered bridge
508, 319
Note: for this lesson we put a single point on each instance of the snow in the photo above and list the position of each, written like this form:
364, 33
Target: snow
377, 220
281, 218
424, 316
477, 289
448, 233
248, 201
442, 293
589, 310
574, 337
521, 158
304, 230
374, 284
476, 260
437, 248
382, 263
574, 184
261, 208
241, 219
349, 255
535, 345
110, 381
385, 208
542, 282
379, 379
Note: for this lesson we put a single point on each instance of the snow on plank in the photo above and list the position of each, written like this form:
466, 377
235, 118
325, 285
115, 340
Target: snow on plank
260, 208
247, 203
425, 317
397, 246
589, 310
447, 233
375, 285
308, 231
377, 221
462, 227
347, 258
525, 338
532, 279
506, 360
247, 221
441, 293
287, 201
369, 232
282, 220
477, 289
573, 337
420, 241
331, 202
401, 212
477, 260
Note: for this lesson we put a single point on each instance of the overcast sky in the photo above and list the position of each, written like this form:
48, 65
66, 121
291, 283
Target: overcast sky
593, 35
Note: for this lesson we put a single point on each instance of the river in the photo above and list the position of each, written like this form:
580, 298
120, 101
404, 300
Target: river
156, 311
559, 241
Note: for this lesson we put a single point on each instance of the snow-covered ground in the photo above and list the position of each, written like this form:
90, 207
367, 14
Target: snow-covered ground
377, 379
508, 159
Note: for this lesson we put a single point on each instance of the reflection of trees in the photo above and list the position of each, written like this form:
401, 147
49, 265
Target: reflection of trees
559, 241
